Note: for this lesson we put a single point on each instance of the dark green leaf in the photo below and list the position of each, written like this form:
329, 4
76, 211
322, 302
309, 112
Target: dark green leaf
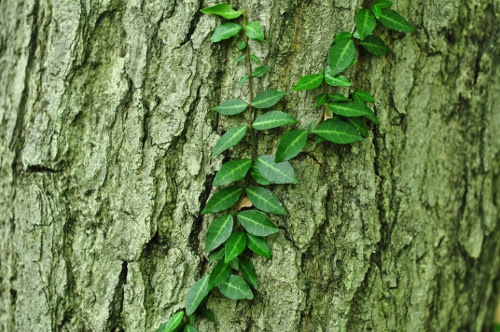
254, 31
196, 294
374, 45
336, 80
217, 254
225, 31
257, 223
342, 36
207, 313
258, 177
392, 20
309, 82
377, 8
240, 58
234, 264
353, 109
222, 199
231, 107
236, 289
191, 318
319, 139
229, 139
220, 273
248, 272
242, 81
259, 246
223, 10
254, 58
291, 144
337, 97
365, 23
273, 119
361, 96
242, 45
231, 171
260, 71
321, 100
337, 131
218, 232
189, 328
235, 245
267, 98
360, 125
279, 173
263, 199
173, 324
341, 56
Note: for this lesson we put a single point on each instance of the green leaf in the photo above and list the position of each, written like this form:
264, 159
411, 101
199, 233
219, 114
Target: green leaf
222, 199
365, 23
254, 31
189, 328
173, 324
231, 107
319, 139
235, 245
360, 125
309, 82
337, 131
259, 246
242, 45
191, 318
341, 56
207, 313
268, 98
248, 272
392, 20
225, 31
196, 294
362, 96
234, 264
258, 177
223, 10
375, 45
279, 173
220, 273
338, 80
377, 8
236, 289
337, 97
257, 223
342, 36
218, 232
254, 58
231, 171
353, 109
291, 144
242, 81
321, 100
264, 200
260, 71
217, 254
273, 119
240, 58
229, 139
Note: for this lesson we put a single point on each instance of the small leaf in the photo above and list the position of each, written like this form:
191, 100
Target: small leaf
309, 82
220, 273
196, 294
267, 98
191, 318
223, 10
337, 131
217, 254
231, 107
232, 171
291, 144
338, 80
337, 97
240, 58
360, 125
229, 139
173, 324
236, 289
225, 31
235, 245
258, 177
374, 45
341, 56
279, 173
311, 126
392, 20
242, 45
342, 36
234, 264
257, 223
222, 199
248, 272
377, 8
356, 35
365, 23
264, 200
254, 58
242, 81
352, 109
218, 232
321, 100
273, 119
259, 246
260, 71
189, 328
362, 96
207, 313
254, 31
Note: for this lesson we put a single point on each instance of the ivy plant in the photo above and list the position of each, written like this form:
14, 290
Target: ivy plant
243, 205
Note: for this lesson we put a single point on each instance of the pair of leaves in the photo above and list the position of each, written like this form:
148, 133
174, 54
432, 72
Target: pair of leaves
273, 119
279, 173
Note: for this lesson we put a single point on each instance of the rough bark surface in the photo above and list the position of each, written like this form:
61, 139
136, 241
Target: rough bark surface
105, 144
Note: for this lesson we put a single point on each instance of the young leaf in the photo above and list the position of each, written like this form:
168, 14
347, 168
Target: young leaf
337, 131
341, 56
231, 171
260, 71
225, 31
321, 100
217, 254
392, 20
254, 58
235, 245
229, 139
365, 23
258, 177
196, 294
264, 200
207, 313
236, 289
309, 82
375, 45
248, 272
254, 31
223, 10
353, 109
342, 36
231, 107
242, 45
240, 58
222, 199
220, 273
291, 144
377, 8
189, 328
257, 223
259, 246
333, 80
337, 97
173, 324
218, 232
361, 96
267, 98
360, 125
242, 81
279, 173
273, 119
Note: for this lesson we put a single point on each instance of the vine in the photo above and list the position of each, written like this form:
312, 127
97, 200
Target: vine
342, 121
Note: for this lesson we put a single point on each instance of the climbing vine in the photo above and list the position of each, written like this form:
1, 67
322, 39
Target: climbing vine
243, 200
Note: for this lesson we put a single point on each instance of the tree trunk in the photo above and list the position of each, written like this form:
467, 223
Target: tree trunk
105, 151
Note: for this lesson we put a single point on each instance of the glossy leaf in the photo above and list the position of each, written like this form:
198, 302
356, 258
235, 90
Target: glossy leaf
321, 100
264, 200
353, 109
242, 45
189, 328
218, 232
236, 289
173, 324
225, 31
242, 81
341, 56
258, 177
260, 71
229, 139
231, 171
392, 20
254, 58
279, 173
256, 223
375, 45
273, 119
196, 294
291, 144
254, 31
259, 246
235, 245
207, 313
309, 82
365, 23
337, 131
231, 107
223, 10
342, 36
247, 270
240, 58
360, 125
222, 199
362, 96
336, 80
337, 97
220, 273
267, 98
217, 254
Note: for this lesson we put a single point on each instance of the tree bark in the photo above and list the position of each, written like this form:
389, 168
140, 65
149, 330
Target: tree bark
105, 151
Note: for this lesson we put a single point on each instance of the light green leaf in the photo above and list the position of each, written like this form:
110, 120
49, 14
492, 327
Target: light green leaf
353, 109
392, 20
242, 45
173, 324
365, 23
264, 200
207, 313
254, 31
235, 245
337, 131
337, 97
258, 177
223, 10
231, 107
218, 232
268, 98
309, 82
254, 58
341, 56
217, 254
256, 223
248, 272
362, 96
360, 125
342, 36
222, 199
356, 35
338, 80
279, 173
260, 71
240, 58
229, 139
236, 289
231, 171
291, 144
196, 294
321, 100
189, 328
273, 119
375, 45
225, 31
220, 273
259, 246
242, 81
377, 8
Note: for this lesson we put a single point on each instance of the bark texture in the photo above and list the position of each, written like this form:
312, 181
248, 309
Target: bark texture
105, 144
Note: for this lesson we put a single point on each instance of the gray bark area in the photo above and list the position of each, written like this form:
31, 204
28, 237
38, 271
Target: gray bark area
105, 144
